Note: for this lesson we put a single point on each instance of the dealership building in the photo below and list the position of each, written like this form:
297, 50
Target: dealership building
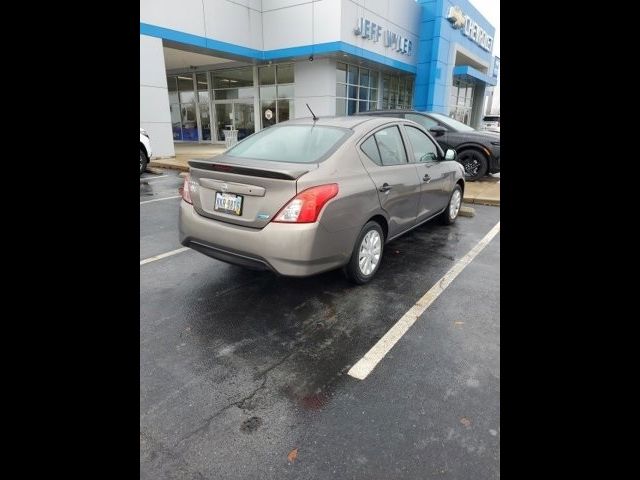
207, 66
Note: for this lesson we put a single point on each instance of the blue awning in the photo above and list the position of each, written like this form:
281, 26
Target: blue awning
466, 70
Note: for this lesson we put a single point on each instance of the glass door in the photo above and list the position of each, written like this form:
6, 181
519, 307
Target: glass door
243, 119
236, 115
224, 119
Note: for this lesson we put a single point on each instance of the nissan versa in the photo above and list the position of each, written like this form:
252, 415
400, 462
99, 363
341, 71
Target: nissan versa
310, 195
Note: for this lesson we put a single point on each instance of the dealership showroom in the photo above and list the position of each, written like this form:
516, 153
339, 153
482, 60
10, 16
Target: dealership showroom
207, 66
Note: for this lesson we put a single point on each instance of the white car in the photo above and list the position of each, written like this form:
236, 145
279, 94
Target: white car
145, 150
491, 123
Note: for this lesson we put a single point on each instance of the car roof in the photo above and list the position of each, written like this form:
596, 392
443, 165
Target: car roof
345, 122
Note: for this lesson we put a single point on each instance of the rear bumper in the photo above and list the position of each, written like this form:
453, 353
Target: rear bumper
292, 250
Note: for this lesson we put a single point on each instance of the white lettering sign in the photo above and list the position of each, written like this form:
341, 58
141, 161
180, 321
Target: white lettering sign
365, 28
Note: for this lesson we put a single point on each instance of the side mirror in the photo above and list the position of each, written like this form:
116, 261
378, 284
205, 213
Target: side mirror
437, 130
451, 155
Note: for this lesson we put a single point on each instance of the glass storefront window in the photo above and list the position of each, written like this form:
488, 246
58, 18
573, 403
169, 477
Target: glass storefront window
268, 93
268, 113
201, 82
397, 92
176, 123
205, 121
461, 102
352, 75
285, 91
277, 90
267, 75
341, 73
284, 74
356, 89
185, 88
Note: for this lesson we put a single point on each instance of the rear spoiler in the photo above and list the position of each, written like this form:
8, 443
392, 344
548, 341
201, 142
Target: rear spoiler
291, 172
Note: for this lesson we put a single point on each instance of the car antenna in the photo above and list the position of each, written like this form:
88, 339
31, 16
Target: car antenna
312, 114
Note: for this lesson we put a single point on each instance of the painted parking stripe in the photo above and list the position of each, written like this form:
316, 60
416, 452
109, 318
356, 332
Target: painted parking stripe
366, 364
154, 178
159, 199
163, 255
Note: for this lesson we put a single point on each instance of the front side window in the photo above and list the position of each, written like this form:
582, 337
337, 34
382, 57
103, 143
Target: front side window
424, 150
290, 143
390, 146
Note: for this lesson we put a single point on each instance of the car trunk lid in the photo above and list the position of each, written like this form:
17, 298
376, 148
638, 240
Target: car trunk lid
244, 191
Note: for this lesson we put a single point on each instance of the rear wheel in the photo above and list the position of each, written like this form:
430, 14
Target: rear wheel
475, 164
143, 161
453, 208
367, 254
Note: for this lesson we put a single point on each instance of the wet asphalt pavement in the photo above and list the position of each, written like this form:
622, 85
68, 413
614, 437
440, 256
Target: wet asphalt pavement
239, 368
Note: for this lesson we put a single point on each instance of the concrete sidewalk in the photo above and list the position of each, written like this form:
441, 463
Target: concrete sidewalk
185, 152
484, 192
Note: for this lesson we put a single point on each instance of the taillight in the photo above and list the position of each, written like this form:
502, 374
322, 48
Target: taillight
306, 206
184, 189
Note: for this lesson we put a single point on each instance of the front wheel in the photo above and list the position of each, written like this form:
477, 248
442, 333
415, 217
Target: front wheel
475, 164
367, 254
453, 208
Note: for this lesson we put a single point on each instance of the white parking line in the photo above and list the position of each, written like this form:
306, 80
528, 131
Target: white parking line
366, 364
160, 199
154, 178
163, 255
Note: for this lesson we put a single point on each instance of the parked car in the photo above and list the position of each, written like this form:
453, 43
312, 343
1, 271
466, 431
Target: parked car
491, 123
145, 150
478, 151
302, 196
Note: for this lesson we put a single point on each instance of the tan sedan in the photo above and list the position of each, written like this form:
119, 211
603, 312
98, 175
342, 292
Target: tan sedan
306, 196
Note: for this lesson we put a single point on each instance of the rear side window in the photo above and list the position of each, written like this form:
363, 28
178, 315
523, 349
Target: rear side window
390, 146
290, 143
370, 148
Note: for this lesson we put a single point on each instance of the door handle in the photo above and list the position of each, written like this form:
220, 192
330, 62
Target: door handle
385, 187
426, 178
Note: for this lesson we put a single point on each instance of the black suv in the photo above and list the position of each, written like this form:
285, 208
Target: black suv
478, 151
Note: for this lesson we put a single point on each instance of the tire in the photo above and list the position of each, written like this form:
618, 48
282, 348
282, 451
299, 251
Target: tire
475, 164
352, 270
143, 161
450, 213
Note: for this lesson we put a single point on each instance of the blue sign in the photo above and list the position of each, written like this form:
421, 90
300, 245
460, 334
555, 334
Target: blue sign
496, 66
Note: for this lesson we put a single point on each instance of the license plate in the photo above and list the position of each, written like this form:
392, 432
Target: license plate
228, 203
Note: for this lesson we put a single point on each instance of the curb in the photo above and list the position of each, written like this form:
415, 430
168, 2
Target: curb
170, 166
482, 201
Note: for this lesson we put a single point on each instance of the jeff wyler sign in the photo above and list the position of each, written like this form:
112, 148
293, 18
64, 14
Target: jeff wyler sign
372, 31
470, 28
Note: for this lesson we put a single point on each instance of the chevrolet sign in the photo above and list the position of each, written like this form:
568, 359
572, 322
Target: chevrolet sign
470, 28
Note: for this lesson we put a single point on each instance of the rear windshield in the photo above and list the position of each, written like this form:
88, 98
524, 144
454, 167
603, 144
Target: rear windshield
491, 119
290, 143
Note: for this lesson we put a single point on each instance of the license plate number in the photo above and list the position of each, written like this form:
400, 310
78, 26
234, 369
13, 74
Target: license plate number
228, 203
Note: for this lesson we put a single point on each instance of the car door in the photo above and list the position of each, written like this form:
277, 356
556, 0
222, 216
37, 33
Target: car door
436, 177
385, 159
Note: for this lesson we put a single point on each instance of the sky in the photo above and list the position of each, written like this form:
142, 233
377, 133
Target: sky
490, 9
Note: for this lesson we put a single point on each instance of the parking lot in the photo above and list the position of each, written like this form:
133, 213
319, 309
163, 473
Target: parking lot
244, 374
